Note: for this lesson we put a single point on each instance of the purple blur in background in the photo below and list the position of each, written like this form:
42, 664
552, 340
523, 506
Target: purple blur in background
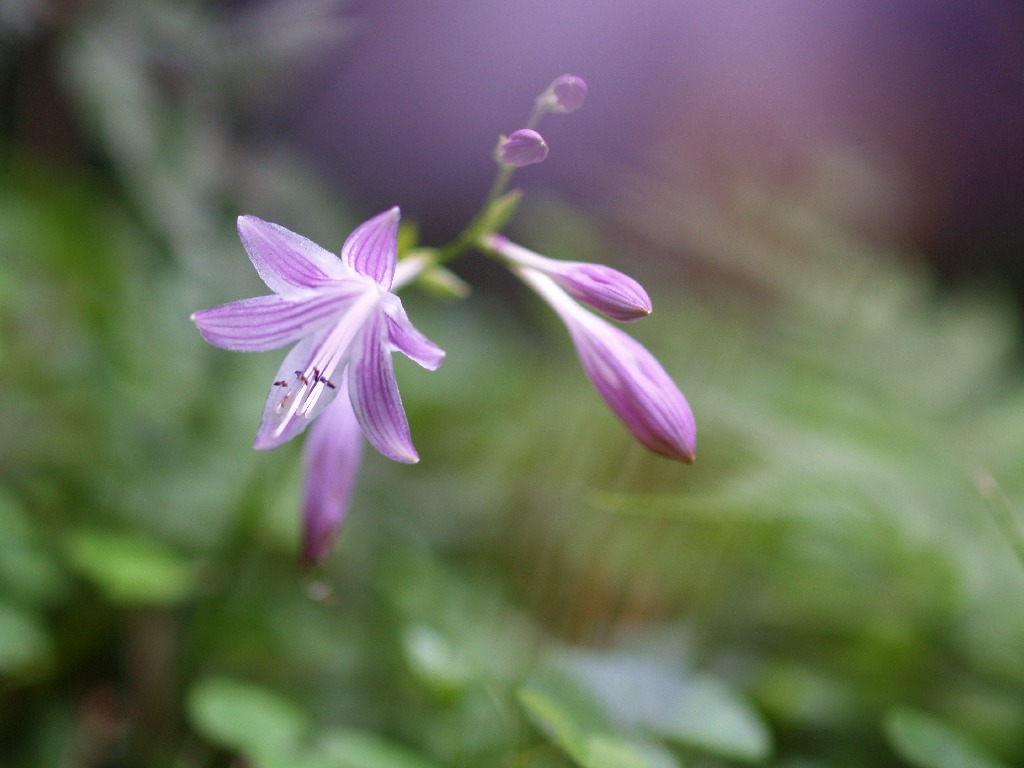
408, 112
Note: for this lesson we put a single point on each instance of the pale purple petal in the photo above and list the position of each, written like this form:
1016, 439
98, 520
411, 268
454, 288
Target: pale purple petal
626, 375
602, 288
372, 249
268, 322
333, 453
523, 147
407, 339
374, 393
287, 262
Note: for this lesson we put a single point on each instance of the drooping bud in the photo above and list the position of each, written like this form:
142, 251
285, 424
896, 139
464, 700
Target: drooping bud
610, 292
523, 147
566, 94
626, 375
333, 454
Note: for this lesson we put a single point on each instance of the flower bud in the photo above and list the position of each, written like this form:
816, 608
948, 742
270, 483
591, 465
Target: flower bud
601, 288
565, 95
626, 375
523, 147
333, 454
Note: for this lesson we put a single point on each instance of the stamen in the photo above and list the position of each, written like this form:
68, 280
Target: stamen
329, 354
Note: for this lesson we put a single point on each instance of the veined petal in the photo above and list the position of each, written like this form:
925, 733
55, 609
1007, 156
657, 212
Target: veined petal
268, 322
374, 392
407, 339
287, 262
626, 375
610, 292
372, 249
333, 453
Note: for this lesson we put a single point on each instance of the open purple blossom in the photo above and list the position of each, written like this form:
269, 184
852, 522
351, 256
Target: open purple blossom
523, 147
607, 290
628, 377
345, 319
333, 453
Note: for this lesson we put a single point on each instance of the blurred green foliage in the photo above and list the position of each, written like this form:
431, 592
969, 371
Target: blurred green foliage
838, 581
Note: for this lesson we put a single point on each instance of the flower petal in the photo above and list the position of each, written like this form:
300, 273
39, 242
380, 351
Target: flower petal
374, 392
372, 249
268, 322
333, 454
407, 339
287, 262
626, 375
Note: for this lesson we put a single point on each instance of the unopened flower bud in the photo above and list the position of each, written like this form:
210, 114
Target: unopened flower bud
607, 290
565, 95
626, 375
523, 147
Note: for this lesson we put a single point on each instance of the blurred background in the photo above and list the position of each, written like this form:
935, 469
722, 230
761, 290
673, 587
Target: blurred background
824, 202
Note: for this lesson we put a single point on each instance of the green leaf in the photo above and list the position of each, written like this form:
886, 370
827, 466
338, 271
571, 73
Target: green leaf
130, 568
924, 742
571, 719
26, 569
609, 751
659, 698
711, 716
501, 212
435, 660
23, 641
443, 283
563, 710
246, 717
359, 749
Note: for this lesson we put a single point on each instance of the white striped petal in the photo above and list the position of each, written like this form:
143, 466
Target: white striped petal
372, 249
407, 339
287, 262
268, 322
374, 393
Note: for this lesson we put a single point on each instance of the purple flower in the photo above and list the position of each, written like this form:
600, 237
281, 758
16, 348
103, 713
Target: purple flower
333, 453
625, 374
565, 95
345, 319
607, 290
523, 147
